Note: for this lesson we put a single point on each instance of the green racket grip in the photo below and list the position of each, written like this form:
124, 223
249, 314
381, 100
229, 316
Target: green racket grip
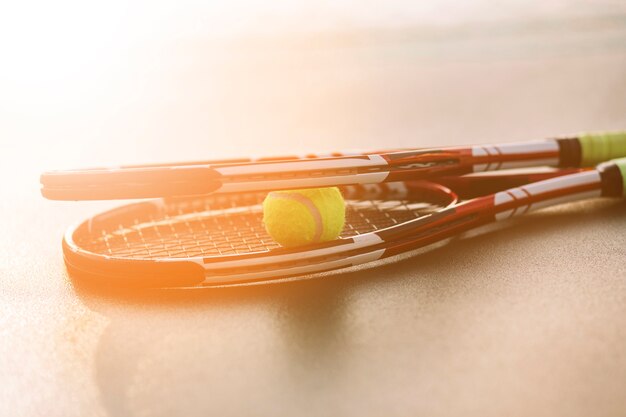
600, 147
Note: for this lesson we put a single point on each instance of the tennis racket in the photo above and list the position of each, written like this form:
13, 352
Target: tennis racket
247, 175
219, 239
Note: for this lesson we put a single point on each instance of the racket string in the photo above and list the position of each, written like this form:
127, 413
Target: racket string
191, 229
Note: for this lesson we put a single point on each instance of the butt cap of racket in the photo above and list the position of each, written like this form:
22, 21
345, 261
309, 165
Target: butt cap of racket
613, 175
600, 147
621, 164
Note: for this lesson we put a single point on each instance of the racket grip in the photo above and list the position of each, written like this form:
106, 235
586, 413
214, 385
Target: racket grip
600, 147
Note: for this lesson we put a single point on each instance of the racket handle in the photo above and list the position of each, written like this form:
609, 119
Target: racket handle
600, 147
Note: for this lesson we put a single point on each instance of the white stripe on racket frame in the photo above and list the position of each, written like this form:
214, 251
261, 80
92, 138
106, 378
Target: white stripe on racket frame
516, 148
295, 183
298, 270
303, 165
554, 184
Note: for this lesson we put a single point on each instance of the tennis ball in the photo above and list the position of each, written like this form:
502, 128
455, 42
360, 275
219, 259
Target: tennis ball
298, 217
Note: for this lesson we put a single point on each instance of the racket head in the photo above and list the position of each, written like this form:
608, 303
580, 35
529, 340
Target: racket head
172, 242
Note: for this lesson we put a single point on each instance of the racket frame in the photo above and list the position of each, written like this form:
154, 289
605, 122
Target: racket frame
245, 175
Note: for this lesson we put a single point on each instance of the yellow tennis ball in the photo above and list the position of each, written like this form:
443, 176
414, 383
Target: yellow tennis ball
298, 217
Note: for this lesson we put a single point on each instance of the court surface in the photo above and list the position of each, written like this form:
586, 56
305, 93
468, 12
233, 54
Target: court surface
526, 318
